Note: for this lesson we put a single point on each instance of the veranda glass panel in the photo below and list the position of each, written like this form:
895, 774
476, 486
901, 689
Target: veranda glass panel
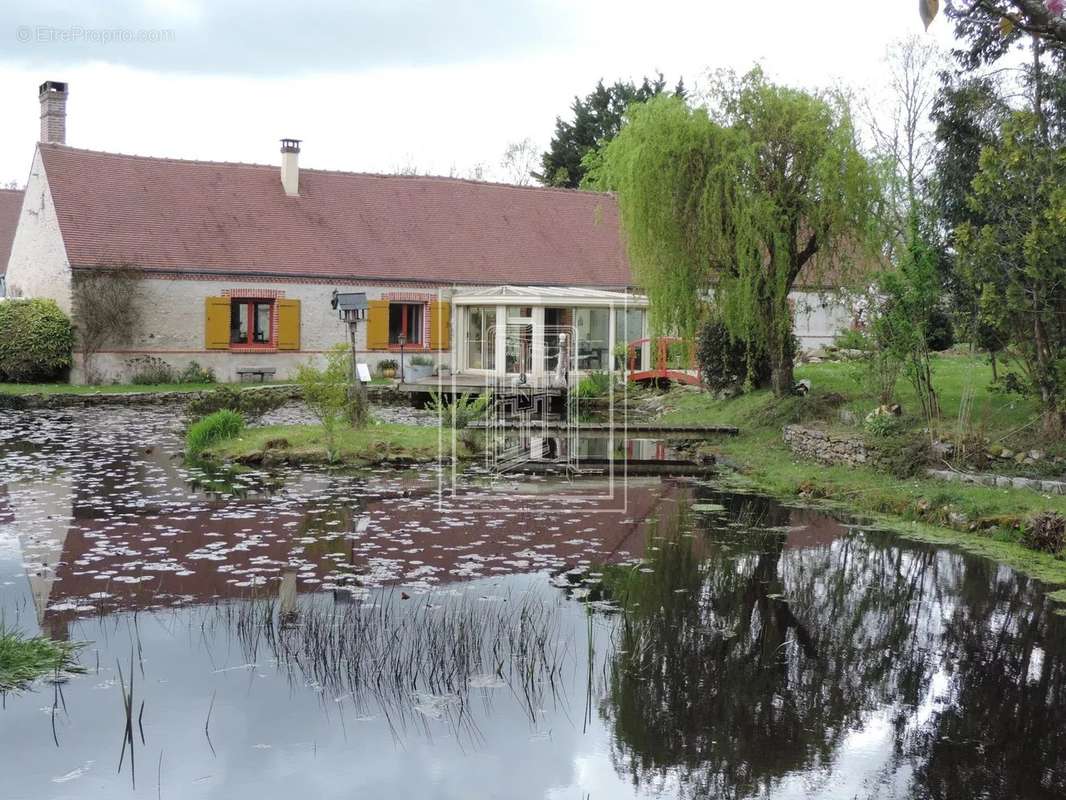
592, 331
481, 337
628, 327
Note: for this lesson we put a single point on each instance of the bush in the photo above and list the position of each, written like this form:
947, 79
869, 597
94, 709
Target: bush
723, 360
194, 373
595, 384
149, 370
388, 363
212, 429
939, 332
461, 411
251, 404
36, 341
326, 394
1045, 532
903, 455
421, 361
852, 339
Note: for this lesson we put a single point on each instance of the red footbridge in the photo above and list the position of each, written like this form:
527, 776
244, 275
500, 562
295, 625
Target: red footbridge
664, 368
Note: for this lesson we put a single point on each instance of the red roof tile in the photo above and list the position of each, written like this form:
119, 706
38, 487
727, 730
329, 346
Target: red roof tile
195, 216
10, 206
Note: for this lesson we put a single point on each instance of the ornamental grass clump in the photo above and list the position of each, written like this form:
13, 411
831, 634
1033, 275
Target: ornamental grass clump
22, 660
212, 429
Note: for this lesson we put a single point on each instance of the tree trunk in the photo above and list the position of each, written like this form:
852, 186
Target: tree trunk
781, 377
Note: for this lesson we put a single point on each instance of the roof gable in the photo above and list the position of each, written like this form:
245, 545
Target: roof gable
10, 208
195, 216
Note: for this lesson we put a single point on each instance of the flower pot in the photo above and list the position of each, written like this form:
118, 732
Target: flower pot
418, 372
388, 373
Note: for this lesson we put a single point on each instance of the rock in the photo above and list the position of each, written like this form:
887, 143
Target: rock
958, 519
943, 449
1036, 455
848, 417
1019, 458
1005, 453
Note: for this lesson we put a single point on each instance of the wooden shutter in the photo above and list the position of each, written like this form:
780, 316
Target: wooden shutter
288, 324
216, 323
440, 325
377, 325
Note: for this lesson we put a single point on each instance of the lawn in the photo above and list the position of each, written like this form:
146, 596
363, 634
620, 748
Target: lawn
375, 444
925, 507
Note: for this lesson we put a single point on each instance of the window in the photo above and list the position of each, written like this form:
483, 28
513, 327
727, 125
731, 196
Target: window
250, 321
406, 319
481, 337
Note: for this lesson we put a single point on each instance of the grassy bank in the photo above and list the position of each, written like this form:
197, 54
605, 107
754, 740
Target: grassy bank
22, 659
375, 444
980, 519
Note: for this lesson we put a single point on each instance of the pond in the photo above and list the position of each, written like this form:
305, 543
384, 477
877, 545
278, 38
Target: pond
404, 634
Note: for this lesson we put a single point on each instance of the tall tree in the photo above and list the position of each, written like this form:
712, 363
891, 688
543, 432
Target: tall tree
986, 20
741, 198
596, 120
1015, 255
518, 161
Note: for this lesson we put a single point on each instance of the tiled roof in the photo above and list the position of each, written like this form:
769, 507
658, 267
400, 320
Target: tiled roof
196, 216
10, 206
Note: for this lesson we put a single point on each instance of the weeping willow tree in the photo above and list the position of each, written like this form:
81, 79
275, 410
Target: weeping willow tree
740, 197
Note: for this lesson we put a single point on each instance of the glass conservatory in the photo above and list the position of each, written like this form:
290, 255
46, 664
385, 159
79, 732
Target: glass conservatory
541, 334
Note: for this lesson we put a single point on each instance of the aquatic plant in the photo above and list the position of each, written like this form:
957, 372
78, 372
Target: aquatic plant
24, 659
595, 384
212, 429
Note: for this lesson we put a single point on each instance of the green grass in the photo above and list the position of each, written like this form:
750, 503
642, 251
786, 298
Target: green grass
919, 507
24, 659
217, 427
375, 444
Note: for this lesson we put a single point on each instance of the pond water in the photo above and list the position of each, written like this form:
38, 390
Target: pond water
424, 635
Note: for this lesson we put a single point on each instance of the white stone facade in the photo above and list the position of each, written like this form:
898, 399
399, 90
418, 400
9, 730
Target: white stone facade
38, 266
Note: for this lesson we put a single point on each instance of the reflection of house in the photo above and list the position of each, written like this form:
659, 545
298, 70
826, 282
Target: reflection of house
228, 551
238, 261
10, 204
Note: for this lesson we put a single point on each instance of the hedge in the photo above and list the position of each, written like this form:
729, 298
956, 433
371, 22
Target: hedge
36, 341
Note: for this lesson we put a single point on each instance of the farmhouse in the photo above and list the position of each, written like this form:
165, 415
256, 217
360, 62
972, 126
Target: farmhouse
236, 263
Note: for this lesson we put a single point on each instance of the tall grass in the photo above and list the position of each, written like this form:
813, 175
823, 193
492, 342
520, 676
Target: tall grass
22, 660
212, 429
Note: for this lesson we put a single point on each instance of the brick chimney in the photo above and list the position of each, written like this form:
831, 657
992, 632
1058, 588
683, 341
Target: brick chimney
53, 96
290, 166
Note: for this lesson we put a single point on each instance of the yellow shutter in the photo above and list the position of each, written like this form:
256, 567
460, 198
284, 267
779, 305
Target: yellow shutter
440, 325
377, 325
216, 323
288, 324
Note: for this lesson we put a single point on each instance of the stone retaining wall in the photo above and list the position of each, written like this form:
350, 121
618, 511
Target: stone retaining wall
1002, 481
828, 448
378, 393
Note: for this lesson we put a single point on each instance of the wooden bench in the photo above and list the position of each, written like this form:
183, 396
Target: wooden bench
244, 374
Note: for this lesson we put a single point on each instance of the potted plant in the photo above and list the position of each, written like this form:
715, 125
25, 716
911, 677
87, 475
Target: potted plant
419, 368
387, 367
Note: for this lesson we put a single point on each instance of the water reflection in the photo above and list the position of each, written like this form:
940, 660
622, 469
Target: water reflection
787, 656
294, 631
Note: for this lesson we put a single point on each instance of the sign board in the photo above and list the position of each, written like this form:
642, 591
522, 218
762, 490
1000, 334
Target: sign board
363, 371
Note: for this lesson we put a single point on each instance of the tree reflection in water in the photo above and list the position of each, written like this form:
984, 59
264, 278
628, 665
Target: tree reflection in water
747, 654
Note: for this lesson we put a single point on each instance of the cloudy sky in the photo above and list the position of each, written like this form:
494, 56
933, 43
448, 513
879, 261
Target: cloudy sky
379, 85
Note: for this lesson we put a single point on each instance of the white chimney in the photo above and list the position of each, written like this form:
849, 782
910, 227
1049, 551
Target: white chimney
53, 97
290, 166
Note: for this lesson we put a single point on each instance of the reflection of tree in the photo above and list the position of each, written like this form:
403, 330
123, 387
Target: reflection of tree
750, 660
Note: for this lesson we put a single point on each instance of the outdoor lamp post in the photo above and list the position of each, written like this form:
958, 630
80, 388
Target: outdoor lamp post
402, 340
351, 308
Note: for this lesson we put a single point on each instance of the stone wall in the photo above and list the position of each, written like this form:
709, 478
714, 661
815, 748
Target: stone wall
828, 448
1003, 481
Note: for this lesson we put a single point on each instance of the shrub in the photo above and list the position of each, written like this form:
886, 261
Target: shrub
149, 370
461, 411
36, 341
212, 429
903, 455
326, 393
251, 404
1045, 532
421, 361
595, 384
882, 425
939, 332
851, 339
194, 373
724, 361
